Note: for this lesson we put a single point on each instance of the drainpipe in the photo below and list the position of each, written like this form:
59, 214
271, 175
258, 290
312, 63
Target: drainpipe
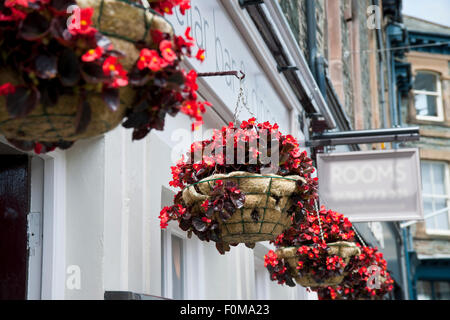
391, 72
317, 63
381, 59
311, 35
408, 263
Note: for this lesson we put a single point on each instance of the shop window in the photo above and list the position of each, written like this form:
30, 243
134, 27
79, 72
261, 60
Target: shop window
435, 185
428, 96
424, 290
433, 290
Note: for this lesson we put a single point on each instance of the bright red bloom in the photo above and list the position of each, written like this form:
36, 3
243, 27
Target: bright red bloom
166, 51
184, 5
16, 15
270, 258
84, 26
38, 148
187, 34
150, 59
93, 54
6, 89
112, 68
200, 55
23, 3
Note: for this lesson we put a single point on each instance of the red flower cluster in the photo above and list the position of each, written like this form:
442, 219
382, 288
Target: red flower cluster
306, 230
49, 60
209, 157
355, 284
163, 87
271, 258
316, 261
171, 213
167, 6
278, 269
77, 59
16, 9
313, 260
224, 200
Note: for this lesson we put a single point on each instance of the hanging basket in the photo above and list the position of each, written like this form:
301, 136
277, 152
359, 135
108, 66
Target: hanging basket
124, 23
268, 194
343, 249
58, 122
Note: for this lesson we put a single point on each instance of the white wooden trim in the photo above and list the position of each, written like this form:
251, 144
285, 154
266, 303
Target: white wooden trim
54, 251
54, 223
444, 232
438, 94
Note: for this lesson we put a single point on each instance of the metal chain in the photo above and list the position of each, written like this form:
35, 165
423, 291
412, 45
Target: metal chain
241, 102
318, 217
359, 236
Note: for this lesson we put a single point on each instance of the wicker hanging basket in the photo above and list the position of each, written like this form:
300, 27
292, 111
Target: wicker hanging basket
124, 23
343, 249
268, 194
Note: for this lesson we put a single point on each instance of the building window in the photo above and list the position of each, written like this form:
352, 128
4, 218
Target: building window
173, 257
173, 266
435, 185
433, 290
428, 96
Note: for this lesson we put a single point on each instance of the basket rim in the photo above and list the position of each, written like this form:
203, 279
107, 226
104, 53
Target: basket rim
251, 176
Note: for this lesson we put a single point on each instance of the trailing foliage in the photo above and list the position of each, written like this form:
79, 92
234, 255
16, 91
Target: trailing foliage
53, 59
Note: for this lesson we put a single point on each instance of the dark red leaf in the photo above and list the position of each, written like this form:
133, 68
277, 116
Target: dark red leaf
22, 101
46, 66
34, 27
83, 117
111, 98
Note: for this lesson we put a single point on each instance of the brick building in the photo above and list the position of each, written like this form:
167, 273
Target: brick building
428, 106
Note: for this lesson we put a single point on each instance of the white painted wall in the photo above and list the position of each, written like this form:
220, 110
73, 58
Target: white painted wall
113, 185
112, 228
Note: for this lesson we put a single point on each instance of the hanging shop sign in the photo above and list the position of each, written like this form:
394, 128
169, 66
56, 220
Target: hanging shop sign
226, 49
373, 185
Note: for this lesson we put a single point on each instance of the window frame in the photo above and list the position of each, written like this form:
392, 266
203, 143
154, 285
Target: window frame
435, 196
166, 255
438, 94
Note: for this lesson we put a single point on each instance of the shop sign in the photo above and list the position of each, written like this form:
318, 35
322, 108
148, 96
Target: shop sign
373, 185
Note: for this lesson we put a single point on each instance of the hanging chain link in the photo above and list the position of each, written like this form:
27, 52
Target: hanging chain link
316, 206
241, 103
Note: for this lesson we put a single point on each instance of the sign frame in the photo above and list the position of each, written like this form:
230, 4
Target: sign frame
393, 153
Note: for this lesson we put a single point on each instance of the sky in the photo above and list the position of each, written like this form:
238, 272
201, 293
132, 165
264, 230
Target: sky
437, 11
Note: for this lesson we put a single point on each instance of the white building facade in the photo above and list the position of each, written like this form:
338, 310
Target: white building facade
99, 201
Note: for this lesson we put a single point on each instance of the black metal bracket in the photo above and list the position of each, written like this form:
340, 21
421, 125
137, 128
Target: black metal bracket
246, 3
364, 136
286, 68
222, 73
